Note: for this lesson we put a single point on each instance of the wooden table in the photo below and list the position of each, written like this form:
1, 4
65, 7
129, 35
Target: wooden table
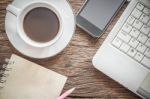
74, 61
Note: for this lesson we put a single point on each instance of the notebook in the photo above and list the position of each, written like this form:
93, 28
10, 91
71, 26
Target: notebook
22, 79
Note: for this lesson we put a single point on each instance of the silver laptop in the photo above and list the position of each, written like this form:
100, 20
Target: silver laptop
125, 54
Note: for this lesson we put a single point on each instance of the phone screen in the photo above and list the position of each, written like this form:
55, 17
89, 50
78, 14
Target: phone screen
100, 12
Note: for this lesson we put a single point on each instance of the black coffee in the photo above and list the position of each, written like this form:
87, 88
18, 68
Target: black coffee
41, 24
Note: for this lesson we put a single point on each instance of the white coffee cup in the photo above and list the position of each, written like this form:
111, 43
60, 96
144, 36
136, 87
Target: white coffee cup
21, 13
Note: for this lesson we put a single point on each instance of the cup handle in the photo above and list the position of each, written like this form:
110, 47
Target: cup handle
14, 10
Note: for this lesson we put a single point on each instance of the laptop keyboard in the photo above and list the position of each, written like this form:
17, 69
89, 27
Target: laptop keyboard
133, 38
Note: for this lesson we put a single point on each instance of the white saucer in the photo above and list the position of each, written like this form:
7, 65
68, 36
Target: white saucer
39, 53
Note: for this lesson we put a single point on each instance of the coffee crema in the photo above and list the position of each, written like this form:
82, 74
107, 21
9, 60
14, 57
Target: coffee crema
41, 24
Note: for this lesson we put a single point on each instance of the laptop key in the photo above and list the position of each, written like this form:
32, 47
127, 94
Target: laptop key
130, 20
140, 6
137, 24
136, 13
139, 56
145, 29
125, 47
124, 36
117, 42
147, 52
134, 33
132, 52
142, 38
144, 18
141, 48
148, 43
148, 23
146, 11
127, 28
149, 35
146, 62
133, 42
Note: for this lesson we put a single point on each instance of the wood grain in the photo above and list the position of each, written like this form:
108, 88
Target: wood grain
74, 61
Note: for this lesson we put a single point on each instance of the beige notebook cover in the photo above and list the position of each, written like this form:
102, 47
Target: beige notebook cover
27, 80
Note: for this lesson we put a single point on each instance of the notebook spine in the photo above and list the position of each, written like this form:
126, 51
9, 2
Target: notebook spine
4, 72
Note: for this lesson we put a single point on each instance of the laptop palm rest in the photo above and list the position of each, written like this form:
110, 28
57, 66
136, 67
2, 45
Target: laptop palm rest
144, 89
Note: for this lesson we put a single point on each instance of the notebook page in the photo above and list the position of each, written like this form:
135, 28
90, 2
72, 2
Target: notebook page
28, 80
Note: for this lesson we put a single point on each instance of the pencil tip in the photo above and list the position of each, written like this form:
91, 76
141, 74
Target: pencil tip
71, 90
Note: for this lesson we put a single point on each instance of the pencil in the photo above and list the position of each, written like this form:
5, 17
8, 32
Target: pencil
67, 93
